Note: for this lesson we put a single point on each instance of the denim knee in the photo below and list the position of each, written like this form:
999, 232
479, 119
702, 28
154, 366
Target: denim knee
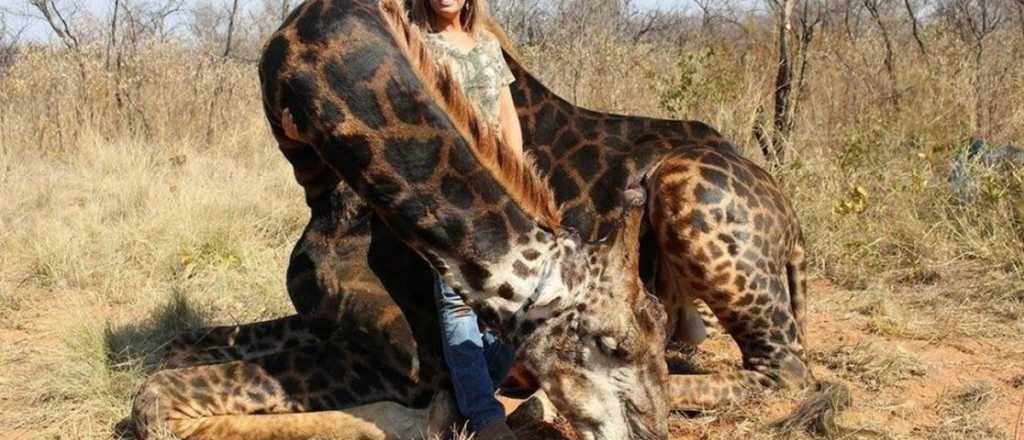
466, 356
458, 321
500, 357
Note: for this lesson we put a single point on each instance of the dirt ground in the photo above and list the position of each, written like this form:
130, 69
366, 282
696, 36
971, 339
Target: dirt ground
906, 383
904, 386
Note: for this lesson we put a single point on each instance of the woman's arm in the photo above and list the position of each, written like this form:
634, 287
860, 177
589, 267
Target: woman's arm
509, 121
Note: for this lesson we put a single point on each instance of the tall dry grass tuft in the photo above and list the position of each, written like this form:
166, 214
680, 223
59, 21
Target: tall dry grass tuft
53, 99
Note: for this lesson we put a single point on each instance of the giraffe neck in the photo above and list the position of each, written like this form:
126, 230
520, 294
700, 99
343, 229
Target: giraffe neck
375, 120
543, 113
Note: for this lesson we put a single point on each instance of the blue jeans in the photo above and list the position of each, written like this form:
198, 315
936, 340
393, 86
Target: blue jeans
476, 362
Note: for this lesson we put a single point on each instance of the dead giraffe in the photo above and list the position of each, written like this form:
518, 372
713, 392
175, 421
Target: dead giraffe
383, 118
588, 156
718, 229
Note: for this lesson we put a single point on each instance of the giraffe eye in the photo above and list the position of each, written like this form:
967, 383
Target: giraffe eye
610, 347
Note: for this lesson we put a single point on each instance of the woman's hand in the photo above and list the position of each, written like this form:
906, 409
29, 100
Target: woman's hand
509, 120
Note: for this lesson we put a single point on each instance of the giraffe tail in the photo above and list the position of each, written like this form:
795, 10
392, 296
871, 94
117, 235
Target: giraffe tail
817, 413
823, 403
796, 276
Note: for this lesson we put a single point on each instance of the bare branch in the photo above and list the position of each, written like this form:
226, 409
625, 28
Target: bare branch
914, 28
707, 13
286, 5
981, 18
873, 8
783, 84
113, 33
808, 26
650, 22
9, 40
1020, 15
231, 28
59, 25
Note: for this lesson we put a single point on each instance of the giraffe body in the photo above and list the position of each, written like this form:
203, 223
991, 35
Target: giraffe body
714, 228
379, 116
718, 229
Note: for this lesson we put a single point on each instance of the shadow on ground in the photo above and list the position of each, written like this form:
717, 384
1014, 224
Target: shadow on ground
139, 346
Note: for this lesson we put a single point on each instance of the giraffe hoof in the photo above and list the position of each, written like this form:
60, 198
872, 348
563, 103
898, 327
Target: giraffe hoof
496, 431
537, 418
442, 413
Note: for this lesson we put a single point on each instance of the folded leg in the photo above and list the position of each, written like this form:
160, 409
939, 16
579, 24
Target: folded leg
214, 345
310, 391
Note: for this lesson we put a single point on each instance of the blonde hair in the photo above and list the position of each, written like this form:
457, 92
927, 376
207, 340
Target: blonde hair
518, 175
472, 17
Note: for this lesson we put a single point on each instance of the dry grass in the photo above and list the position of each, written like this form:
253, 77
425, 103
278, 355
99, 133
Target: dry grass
115, 237
962, 416
145, 200
875, 366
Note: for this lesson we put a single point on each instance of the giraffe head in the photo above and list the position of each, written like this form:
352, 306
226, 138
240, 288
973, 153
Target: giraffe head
599, 353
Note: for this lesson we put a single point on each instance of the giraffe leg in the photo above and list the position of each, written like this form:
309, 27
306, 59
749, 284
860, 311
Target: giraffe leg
709, 391
321, 281
282, 395
772, 353
221, 344
685, 323
727, 237
375, 421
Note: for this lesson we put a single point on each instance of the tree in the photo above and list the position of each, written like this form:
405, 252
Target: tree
790, 74
914, 28
1020, 16
876, 10
975, 20
133, 22
112, 37
525, 19
231, 28
9, 39
58, 21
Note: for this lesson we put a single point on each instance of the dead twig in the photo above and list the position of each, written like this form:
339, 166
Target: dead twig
1020, 421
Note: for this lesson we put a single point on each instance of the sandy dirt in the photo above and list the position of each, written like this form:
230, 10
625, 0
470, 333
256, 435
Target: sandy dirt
918, 386
903, 387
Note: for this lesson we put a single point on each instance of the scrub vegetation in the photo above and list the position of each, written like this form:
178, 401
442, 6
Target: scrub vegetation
142, 193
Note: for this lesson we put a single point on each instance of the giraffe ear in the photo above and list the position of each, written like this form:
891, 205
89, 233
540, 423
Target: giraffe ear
634, 197
651, 313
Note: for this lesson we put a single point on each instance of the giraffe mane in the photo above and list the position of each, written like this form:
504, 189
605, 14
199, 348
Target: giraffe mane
518, 176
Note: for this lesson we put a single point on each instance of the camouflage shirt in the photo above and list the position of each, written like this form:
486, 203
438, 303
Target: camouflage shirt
481, 71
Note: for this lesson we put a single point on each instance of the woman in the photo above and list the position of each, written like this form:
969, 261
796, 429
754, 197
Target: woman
476, 362
456, 33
